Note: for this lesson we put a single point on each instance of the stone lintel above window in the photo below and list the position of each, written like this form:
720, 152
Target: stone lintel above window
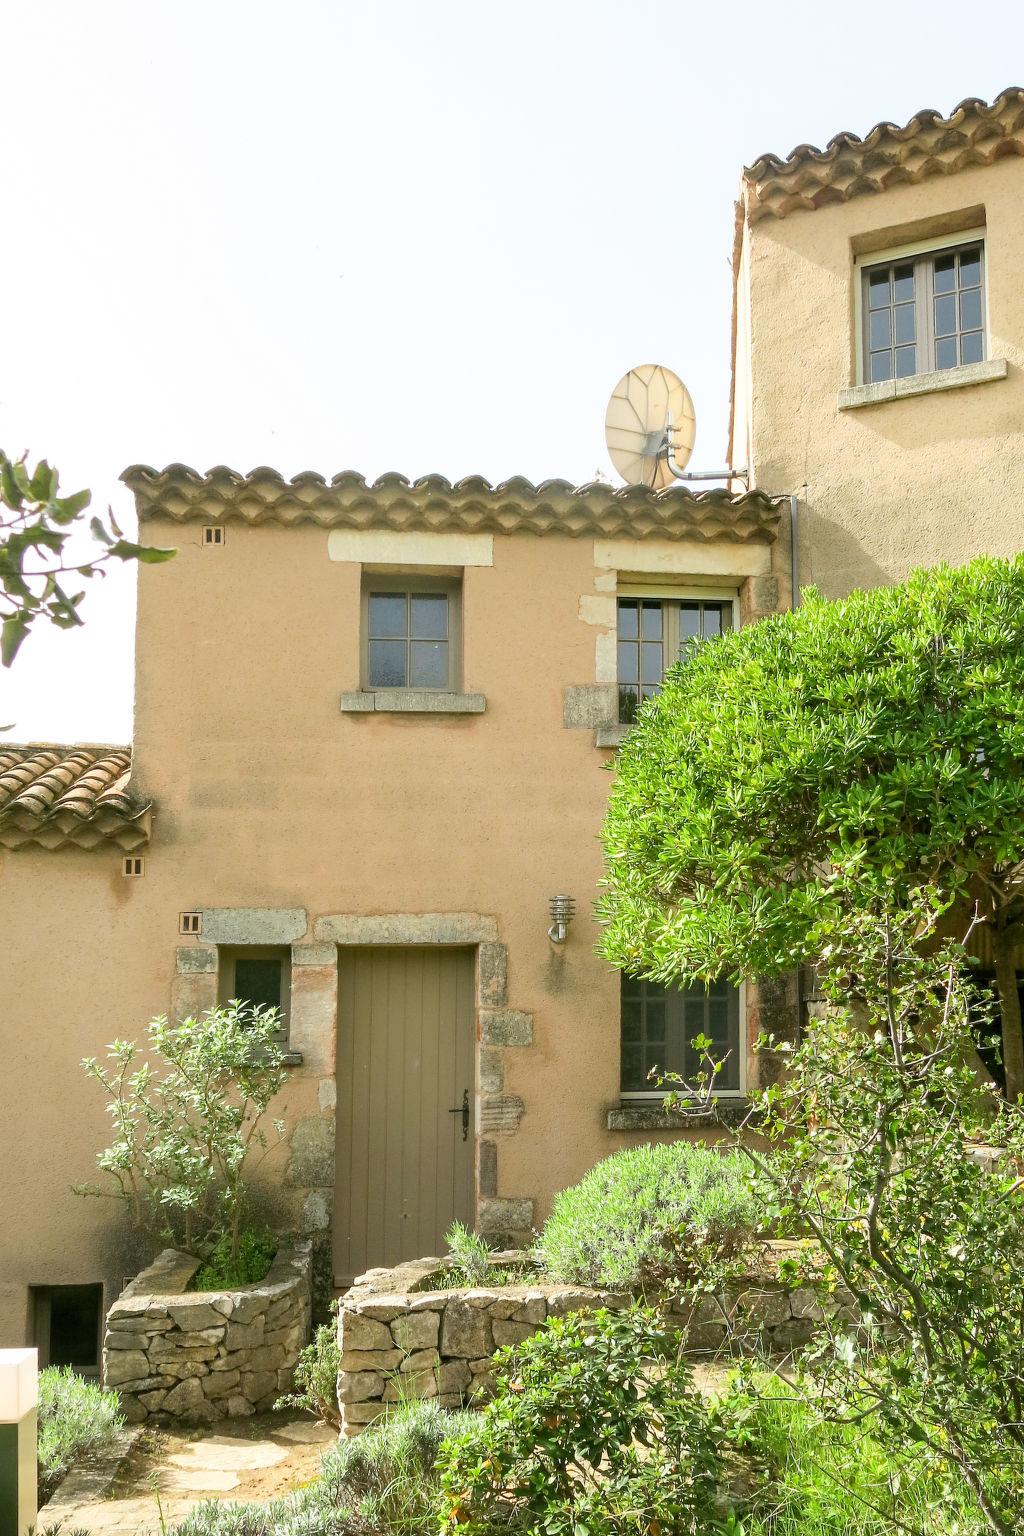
412, 701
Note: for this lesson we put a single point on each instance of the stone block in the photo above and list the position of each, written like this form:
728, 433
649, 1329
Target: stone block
316, 1211
763, 1309
146, 1384
359, 1386
244, 1335
588, 705
192, 1315
256, 1385
372, 1360
133, 1411
571, 1299
182, 1370
199, 1337
500, 1114
245, 1307
492, 975
183, 1399
363, 1413
453, 1377
361, 1332
221, 1383
194, 959
806, 1303
533, 1310
421, 1360
492, 1070
126, 1365
254, 925
502, 1218
512, 1333
269, 1357
311, 1163
382, 1309
505, 1026
466, 1331
152, 1401
417, 1384
417, 1330
239, 1407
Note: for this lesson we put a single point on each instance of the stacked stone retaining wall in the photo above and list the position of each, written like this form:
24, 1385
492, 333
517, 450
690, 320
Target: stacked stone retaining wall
402, 1337
200, 1356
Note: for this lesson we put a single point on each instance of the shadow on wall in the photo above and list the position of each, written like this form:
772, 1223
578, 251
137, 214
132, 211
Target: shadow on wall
832, 558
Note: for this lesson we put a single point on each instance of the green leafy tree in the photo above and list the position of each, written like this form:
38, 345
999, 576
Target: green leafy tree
188, 1111
822, 763
39, 574
868, 1133
595, 1430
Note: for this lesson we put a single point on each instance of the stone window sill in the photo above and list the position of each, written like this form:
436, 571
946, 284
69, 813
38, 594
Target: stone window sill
412, 701
651, 1117
610, 735
923, 384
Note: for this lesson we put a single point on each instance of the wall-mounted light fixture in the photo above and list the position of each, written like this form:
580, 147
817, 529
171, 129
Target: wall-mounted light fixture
18, 1398
563, 910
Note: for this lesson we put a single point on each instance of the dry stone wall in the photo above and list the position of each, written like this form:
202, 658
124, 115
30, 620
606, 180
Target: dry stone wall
200, 1356
402, 1337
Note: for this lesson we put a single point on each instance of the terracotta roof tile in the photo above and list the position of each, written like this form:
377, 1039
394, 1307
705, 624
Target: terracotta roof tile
974, 133
54, 796
434, 503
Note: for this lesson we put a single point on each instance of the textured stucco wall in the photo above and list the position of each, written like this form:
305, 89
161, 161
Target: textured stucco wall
900, 484
268, 796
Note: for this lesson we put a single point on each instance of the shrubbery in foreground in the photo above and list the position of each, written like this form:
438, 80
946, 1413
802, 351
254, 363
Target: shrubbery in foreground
76, 1419
649, 1214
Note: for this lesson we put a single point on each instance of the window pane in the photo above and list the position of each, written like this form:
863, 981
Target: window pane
429, 618
258, 982
970, 269
945, 315
386, 663
387, 614
428, 664
880, 334
712, 621
629, 703
631, 1018
903, 284
689, 621
629, 662
632, 1069
945, 352
906, 362
972, 347
653, 665
878, 289
655, 1021
628, 618
905, 323
945, 274
651, 621
970, 310
881, 366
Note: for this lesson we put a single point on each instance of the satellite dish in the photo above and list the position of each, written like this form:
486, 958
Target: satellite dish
646, 403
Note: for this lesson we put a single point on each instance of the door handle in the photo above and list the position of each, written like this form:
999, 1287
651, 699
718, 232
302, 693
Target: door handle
463, 1110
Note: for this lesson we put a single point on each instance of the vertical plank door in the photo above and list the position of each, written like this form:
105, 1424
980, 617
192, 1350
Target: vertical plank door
405, 1062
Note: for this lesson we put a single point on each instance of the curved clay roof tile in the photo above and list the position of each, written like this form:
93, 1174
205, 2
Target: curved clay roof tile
54, 796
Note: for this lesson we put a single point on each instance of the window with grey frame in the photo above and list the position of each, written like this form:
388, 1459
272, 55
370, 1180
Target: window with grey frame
923, 314
411, 635
660, 1025
653, 634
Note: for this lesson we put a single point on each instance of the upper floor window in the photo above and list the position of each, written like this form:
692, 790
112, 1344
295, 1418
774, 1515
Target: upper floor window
653, 634
923, 313
411, 633
660, 1026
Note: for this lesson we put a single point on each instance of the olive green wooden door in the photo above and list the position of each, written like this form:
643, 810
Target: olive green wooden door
405, 1062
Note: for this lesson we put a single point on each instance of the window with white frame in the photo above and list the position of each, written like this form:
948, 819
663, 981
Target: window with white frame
411, 633
653, 634
922, 313
660, 1025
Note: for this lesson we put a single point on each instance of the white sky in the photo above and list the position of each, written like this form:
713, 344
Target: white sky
404, 235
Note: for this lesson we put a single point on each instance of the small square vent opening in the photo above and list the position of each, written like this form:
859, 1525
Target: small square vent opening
212, 534
133, 865
190, 922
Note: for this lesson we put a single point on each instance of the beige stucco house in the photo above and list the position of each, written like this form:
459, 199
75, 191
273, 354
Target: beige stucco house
374, 723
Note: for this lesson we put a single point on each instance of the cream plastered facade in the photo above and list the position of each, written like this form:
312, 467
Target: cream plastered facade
282, 818
884, 485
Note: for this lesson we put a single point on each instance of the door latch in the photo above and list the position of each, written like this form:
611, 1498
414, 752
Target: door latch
463, 1110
